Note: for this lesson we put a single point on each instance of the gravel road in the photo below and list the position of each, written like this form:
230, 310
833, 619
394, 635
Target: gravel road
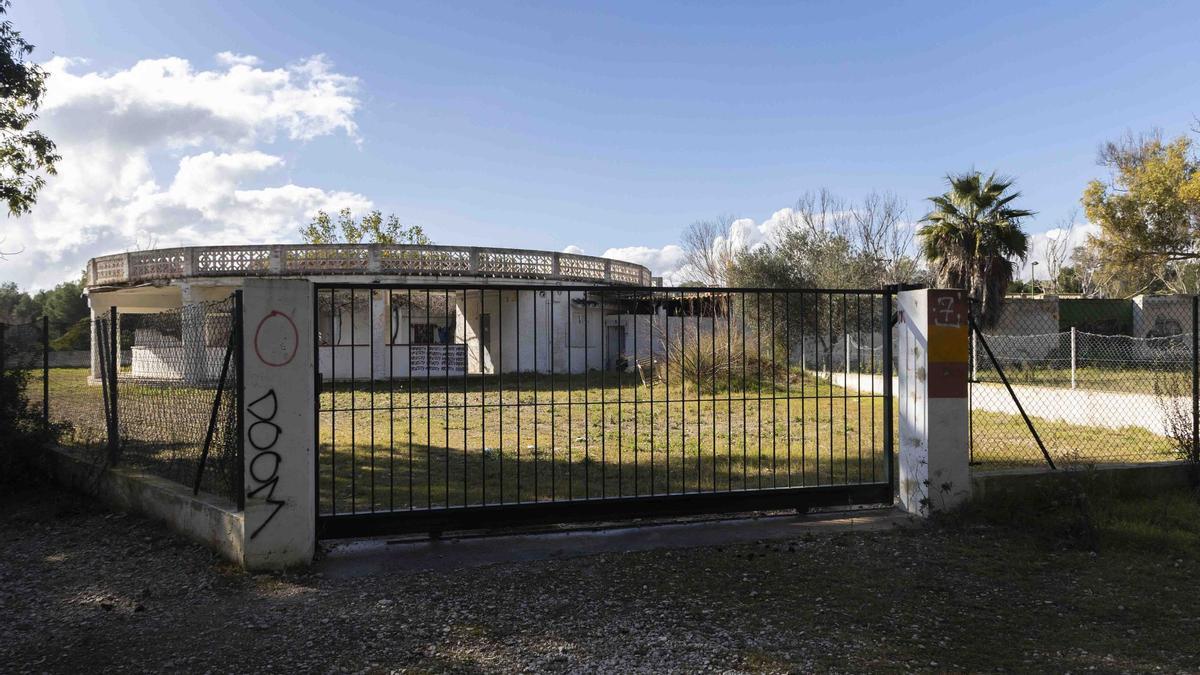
81, 587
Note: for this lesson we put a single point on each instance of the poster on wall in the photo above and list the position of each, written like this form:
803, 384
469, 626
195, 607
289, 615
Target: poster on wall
437, 360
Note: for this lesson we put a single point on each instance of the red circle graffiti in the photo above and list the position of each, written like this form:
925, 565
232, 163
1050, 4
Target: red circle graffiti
295, 339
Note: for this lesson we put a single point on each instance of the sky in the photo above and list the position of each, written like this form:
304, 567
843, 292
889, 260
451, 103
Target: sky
604, 127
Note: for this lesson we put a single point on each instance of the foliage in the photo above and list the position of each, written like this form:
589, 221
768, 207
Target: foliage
64, 305
26, 156
826, 242
372, 227
972, 235
1149, 215
22, 432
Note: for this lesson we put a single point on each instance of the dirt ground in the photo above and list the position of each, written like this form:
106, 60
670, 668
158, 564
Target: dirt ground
82, 587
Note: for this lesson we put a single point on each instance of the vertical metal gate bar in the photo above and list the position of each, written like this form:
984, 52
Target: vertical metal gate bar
728, 391
391, 348
1195, 375
774, 408
683, 395
408, 347
335, 335
603, 408
553, 409
787, 360
587, 405
371, 384
537, 370
888, 438
446, 394
45, 372
845, 368
637, 408
114, 365
427, 347
499, 388
667, 380
653, 382
570, 397
466, 365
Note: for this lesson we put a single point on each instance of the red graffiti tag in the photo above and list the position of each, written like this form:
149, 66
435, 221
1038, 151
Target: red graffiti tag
289, 350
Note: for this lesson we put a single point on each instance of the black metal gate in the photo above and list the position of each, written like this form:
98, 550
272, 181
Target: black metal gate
481, 405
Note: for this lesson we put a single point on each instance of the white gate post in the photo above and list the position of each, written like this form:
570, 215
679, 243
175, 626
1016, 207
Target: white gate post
932, 366
278, 380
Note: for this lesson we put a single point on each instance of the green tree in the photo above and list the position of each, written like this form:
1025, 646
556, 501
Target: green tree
65, 309
972, 236
26, 156
17, 306
1149, 215
372, 228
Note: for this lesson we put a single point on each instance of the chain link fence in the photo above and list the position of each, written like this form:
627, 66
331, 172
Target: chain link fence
159, 391
1078, 395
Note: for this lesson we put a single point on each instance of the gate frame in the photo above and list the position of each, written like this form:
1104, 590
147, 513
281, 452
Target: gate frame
435, 521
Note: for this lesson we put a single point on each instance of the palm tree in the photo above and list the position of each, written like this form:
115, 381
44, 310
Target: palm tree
972, 237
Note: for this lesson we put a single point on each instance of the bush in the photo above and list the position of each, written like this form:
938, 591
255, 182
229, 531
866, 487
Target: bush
22, 432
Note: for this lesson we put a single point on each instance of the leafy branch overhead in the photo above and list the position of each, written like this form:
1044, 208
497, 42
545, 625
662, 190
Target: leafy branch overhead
372, 228
26, 156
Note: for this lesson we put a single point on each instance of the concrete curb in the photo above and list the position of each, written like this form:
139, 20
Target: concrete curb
1133, 477
204, 518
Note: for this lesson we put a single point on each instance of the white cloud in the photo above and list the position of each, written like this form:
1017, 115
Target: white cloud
573, 249
1039, 243
232, 59
666, 262
162, 153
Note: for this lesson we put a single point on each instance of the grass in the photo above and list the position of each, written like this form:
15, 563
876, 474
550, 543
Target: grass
1092, 378
1004, 440
581, 437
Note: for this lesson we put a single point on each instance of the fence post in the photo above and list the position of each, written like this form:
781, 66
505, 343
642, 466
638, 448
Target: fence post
45, 371
239, 398
974, 357
934, 469
1195, 374
1073, 339
279, 518
113, 365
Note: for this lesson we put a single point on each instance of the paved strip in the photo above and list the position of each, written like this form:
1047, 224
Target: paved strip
352, 558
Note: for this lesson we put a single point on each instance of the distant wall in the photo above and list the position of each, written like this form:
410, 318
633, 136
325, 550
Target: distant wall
1141, 316
1026, 316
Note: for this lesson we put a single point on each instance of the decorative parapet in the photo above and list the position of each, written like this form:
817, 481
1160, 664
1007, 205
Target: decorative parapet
292, 260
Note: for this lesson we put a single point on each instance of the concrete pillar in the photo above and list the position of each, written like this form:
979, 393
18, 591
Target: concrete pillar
931, 355
278, 355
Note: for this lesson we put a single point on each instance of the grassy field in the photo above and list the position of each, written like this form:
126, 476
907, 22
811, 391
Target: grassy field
1090, 378
600, 436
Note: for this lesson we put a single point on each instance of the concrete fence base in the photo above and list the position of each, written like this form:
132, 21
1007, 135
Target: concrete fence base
1147, 478
203, 518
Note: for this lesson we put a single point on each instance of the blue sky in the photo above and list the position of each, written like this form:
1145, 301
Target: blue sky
615, 125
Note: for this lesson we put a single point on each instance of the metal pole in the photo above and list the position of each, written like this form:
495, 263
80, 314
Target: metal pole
1073, 338
239, 395
45, 371
1195, 373
114, 361
974, 357
887, 383
1013, 394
